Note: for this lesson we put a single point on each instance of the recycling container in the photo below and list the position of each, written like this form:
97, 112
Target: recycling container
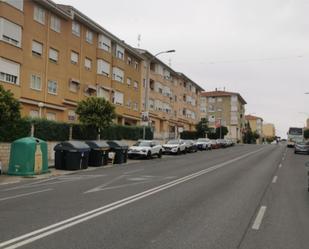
28, 156
71, 155
120, 149
98, 155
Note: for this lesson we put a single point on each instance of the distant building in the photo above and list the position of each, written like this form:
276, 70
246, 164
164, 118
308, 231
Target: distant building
307, 123
226, 109
256, 125
269, 130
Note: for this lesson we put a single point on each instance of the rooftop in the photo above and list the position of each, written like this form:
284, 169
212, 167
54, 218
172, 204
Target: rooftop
218, 93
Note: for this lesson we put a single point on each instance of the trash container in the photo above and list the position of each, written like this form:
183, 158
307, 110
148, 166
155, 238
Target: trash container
120, 149
71, 155
98, 155
28, 156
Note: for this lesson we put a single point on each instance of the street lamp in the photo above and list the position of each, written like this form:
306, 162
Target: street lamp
146, 100
40, 105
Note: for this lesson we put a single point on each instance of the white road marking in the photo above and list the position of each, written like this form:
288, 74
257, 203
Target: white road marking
62, 225
26, 194
7, 183
259, 218
280, 165
133, 171
275, 179
99, 188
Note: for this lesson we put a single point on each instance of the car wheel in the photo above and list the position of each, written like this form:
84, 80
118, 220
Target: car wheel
160, 154
149, 155
178, 151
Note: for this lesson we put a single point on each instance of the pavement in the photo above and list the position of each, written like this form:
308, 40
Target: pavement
249, 197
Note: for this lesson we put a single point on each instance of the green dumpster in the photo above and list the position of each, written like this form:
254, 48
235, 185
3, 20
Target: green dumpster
28, 157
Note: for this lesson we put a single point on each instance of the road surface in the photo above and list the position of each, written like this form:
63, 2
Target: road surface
247, 196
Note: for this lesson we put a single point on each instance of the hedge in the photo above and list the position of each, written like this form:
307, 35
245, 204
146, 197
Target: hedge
56, 131
189, 135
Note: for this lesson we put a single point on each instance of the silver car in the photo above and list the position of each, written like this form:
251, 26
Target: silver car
302, 147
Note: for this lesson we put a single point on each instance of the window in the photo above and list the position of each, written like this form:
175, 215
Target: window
136, 64
118, 74
151, 104
104, 43
128, 104
102, 93
219, 99
118, 98
89, 36
71, 115
88, 63
35, 82
103, 67
39, 14
53, 55
129, 81
37, 48
10, 32
51, 116
74, 57
129, 60
119, 52
18, 4
135, 85
234, 98
9, 71
211, 100
76, 28
34, 114
73, 86
135, 106
211, 108
52, 87
55, 23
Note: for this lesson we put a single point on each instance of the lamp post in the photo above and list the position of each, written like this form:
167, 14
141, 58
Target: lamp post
40, 105
146, 100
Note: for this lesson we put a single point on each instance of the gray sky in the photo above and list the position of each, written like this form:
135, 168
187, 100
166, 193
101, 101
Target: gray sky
259, 48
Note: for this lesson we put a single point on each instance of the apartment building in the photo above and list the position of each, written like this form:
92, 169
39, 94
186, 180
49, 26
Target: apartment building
256, 125
53, 56
226, 109
269, 130
307, 123
170, 98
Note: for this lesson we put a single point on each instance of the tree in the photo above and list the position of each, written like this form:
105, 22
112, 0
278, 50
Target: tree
306, 134
202, 128
9, 107
249, 136
221, 130
96, 112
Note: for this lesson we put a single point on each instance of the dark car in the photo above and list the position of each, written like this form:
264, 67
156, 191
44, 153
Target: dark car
302, 147
191, 146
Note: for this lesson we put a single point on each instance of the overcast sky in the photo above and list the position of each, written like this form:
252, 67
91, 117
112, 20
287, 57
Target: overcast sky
259, 48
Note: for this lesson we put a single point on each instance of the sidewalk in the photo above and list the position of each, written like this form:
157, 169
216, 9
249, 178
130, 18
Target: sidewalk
8, 179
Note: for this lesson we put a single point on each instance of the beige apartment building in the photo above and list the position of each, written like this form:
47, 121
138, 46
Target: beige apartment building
269, 130
256, 125
226, 109
53, 56
170, 98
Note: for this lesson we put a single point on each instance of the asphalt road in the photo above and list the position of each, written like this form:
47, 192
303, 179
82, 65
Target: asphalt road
248, 197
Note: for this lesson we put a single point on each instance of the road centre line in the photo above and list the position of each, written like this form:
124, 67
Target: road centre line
275, 179
280, 165
26, 194
259, 218
62, 225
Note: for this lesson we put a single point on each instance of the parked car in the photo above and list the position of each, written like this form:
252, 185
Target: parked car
203, 144
302, 147
214, 144
174, 147
146, 149
190, 146
222, 142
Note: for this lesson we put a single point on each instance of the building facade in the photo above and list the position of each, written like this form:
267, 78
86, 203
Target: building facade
256, 125
53, 56
269, 130
170, 98
226, 109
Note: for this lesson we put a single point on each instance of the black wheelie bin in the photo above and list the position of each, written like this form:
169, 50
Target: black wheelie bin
120, 149
71, 155
98, 155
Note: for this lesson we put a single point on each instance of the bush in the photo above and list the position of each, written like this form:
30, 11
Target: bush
56, 131
189, 135
12, 131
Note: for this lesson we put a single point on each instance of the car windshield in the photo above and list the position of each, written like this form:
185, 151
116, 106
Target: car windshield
142, 144
173, 142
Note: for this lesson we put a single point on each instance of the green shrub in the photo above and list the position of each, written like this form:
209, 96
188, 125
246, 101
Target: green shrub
12, 131
82, 132
51, 130
189, 135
